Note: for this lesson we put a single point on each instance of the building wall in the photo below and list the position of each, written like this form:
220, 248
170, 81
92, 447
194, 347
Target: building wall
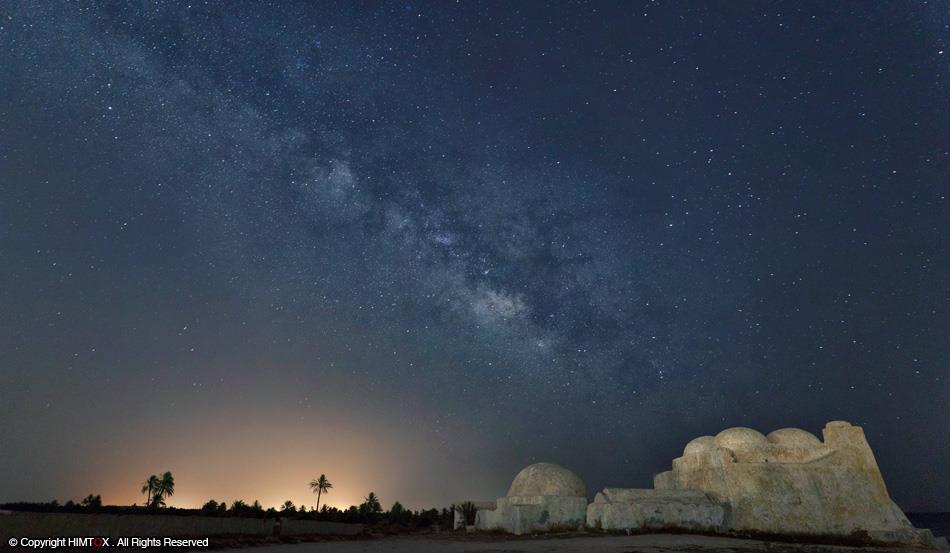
539, 513
830, 488
636, 509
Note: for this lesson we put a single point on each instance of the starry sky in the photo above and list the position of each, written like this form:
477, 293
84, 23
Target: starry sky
418, 246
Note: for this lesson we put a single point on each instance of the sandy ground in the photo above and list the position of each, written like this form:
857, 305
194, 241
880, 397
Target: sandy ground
651, 543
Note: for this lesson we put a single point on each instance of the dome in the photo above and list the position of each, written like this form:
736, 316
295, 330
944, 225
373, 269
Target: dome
701, 444
740, 439
794, 437
547, 479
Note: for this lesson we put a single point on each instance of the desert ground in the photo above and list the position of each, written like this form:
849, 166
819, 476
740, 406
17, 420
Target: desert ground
650, 543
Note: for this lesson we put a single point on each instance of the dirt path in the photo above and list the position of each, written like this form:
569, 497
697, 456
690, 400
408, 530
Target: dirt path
651, 543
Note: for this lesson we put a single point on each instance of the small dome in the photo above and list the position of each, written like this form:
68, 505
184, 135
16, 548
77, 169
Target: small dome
794, 437
740, 439
701, 444
547, 479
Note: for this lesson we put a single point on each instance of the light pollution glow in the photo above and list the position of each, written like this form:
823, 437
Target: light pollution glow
260, 453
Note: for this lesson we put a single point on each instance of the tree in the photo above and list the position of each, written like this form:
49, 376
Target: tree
165, 488
210, 507
288, 507
92, 501
320, 486
467, 511
256, 506
399, 514
371, 504
428, 517
148, 488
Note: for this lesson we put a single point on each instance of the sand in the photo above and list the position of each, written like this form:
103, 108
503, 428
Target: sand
650, 543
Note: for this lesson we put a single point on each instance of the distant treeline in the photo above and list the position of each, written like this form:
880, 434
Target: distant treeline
366, 513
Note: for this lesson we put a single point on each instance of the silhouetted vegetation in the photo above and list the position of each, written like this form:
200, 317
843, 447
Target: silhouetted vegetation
166, 488
468, 510
399, 514
149, 487
370, 507
320, 486
212, 507
157, 489
367, 513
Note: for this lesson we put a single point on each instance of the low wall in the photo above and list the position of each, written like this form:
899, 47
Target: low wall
533, 513
42, 525
626, 509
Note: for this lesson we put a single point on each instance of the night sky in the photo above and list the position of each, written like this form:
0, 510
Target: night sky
419, 246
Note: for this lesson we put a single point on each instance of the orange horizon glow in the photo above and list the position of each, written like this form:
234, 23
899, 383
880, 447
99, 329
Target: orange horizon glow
272, 473
242, 454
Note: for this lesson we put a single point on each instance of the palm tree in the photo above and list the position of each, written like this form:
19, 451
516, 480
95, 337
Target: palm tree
165, 488
372, 503
320, 486
149, 487
468, 512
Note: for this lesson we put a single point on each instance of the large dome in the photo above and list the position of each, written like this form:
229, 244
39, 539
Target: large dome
547, 479
740, 439
700, 445
794, 437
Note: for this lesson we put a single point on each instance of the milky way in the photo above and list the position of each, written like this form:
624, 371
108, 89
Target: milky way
442, 241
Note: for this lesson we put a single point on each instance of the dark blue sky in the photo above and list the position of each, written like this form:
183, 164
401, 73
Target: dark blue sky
418, 246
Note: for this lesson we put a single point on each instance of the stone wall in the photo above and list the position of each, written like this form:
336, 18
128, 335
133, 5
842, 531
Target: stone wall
792, 483
635, 509
42, 525
542, 497
535, 513
788, 483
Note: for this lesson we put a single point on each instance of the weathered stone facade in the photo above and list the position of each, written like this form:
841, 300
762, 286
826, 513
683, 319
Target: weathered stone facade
542, 497
790, 482
739, 481
623, 509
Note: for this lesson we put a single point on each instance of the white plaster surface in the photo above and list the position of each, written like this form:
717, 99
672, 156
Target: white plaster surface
639, 509
542, 497
792, 483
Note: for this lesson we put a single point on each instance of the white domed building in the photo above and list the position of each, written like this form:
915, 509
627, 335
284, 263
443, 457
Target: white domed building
787, 483
543, 497
547, 479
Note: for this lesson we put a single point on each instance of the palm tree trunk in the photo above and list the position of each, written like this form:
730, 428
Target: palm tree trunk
319, 491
